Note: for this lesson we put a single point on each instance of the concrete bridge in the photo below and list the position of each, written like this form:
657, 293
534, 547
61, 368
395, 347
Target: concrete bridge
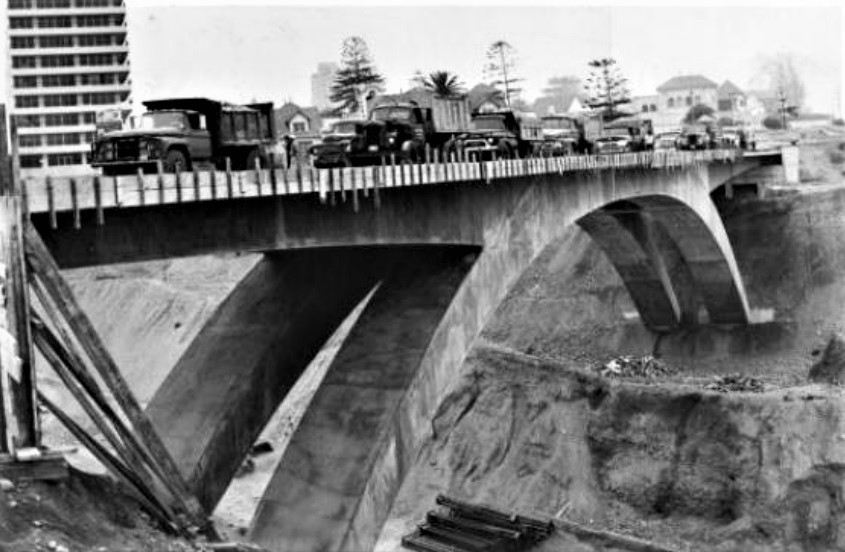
432, 249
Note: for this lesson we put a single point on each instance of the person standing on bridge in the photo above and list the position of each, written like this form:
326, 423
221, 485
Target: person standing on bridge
287, 141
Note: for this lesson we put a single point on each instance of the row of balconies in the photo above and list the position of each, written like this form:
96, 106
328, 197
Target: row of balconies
113, 68
30, 131
79, 89
65, 148
71, 50
46, 31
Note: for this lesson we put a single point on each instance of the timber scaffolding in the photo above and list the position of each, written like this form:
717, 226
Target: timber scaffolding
102, 193
38, 310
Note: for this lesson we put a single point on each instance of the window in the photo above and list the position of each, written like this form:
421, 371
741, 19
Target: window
58, 80
54, 22
57, 61
97, 79
21, 22
64, 139
653, 107
53, 4
96, 40
95, 59
20, 62
98, 20
697, 99
98, 3
26, 82
61, 119
20, 4
60, 100
645, 108
26, 101
28, 121
670, 103
60, 159
98, 98
20, 42
89, 118
58, 41
29, 140
689, 100
30, 161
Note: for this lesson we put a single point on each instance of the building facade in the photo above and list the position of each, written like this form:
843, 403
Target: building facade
321, 83
68, 60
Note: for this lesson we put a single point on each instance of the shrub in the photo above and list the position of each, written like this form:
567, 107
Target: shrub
772, 122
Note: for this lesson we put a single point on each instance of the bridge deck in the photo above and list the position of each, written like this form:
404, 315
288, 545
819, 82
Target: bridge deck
54, 195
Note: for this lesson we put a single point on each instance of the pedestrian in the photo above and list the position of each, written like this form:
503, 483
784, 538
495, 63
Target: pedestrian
288, 144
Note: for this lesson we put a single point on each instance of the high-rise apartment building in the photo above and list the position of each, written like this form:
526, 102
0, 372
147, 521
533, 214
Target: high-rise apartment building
321, 83
68, 60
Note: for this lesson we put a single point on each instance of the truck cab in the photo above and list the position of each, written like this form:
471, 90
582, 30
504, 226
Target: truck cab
506, 133
179, 133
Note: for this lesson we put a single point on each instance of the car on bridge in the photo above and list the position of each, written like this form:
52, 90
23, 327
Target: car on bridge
359, 142
613, 143
667, 140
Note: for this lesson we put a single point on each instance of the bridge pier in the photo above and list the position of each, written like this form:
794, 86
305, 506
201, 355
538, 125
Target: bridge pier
231, 379
336, 482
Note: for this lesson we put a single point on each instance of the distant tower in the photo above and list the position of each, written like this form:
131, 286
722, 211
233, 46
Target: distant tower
321, 83
68, 60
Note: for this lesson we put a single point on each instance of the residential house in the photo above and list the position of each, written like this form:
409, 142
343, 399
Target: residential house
677, 96
303, 123
484, 98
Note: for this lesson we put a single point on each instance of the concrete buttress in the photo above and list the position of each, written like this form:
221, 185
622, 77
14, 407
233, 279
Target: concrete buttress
336, 481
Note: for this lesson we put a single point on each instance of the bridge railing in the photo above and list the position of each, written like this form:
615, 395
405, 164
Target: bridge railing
100, 193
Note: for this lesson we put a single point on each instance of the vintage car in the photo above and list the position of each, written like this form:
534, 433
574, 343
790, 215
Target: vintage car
667, 141
613, 143
365, 142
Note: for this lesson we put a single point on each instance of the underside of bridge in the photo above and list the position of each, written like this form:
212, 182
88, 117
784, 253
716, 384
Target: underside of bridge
435, 263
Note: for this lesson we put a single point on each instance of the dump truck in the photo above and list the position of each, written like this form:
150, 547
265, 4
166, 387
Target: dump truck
503, 134
436, 120
183, 132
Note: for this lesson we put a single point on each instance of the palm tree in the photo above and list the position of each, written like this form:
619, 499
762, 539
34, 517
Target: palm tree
443, 83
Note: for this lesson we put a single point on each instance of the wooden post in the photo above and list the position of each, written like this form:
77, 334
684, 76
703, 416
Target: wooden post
178, 176
274, 185
142, 191
376, 185
160, 180
20, 427
98, 200
342, 184
229, 188
393, 170
116, 187
258, 179
331, 187
74, 202
212, 180
428, 163
299, 178
51, 202
196, 176
354, 186
45, 268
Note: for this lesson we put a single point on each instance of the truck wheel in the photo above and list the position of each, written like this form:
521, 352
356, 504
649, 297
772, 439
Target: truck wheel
176, 161
503, 151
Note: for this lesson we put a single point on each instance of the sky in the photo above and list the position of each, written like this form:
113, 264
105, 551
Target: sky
267, 50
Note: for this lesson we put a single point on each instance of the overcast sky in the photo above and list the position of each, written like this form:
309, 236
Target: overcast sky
269, 51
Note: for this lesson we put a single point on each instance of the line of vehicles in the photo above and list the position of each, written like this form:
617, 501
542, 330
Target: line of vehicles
179, 134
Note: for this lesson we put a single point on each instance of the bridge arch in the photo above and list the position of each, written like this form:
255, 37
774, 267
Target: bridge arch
673, 259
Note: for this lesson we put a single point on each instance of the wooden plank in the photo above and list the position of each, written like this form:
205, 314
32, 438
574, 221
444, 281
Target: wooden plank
116, 189
258, 176
98, 200
45, 268
160, 180
74, 202
354, 185
51, 202
196, 176
147, 499
142, 187
212, 176
49, 466
274, 184
230, 190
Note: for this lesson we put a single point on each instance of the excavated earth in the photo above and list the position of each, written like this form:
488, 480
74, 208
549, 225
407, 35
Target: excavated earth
531, 426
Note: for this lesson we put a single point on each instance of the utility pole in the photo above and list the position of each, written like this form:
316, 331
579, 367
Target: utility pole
505, 77
782, 100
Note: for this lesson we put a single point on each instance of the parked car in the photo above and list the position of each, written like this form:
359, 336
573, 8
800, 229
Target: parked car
667, 141
614, 143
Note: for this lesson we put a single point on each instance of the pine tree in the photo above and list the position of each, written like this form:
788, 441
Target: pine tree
500, 70
607, 87
356, 77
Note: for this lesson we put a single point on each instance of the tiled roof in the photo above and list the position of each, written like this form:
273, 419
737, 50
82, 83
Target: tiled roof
686, 82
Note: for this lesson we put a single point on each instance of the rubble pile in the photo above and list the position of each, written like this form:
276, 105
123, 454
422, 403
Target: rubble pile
736, 383
635, 367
